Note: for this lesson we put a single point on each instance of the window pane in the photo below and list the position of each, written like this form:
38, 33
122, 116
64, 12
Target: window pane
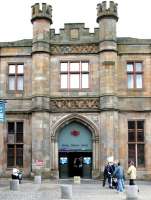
19, 127
74, 67
74, 81
138, 80
19, 155
140, 155
140, 125
131, 136
10, 155
138, 67
11, 69
20, 69
11, 83
19, 132
11, 127
140, 136
130, 67
131, 124
85, 81
64, 81
85, 67
20, 83
131, 153
64, 67
130, 81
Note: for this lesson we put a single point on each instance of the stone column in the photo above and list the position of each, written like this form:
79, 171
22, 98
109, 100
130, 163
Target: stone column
41, 20
109, 135
107, 18
148, 146
40, 140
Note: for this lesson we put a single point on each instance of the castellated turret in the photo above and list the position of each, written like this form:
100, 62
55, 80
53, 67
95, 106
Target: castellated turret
44, 13
107, 19
41, 20
103, 11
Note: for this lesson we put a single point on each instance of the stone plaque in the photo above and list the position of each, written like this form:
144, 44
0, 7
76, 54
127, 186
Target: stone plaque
74, 34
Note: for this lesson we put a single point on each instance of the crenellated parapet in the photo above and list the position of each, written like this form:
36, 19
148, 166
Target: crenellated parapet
103, 11
74, 33
41, 13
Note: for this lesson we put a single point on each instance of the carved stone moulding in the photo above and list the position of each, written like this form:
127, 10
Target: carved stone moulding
74, 104
74, 49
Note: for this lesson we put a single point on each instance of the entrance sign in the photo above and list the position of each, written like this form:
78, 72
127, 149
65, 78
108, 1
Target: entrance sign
2, 111
75, 137
39, 163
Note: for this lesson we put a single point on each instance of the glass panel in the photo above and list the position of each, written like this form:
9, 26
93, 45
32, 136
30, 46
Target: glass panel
138, 80
20, 83
140, 125
11, 69
140, 155
19, 132
85, 66
138, 67
11, 83
130, 67
64, 81
74, 81
10, 155
131, 124
19, 127
85, 81
11, 127
140, 136
131, 153
74, 67
130, 81
131, 136
64, 67
20, 69
19, 155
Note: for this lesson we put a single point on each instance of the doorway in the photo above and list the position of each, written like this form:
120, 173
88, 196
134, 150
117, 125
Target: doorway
75, 164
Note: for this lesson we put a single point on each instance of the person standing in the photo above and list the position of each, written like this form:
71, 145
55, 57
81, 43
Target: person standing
132, 173
119, 174
17, 174
105, 174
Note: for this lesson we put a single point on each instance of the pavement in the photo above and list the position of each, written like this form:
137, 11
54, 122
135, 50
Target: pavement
50, 190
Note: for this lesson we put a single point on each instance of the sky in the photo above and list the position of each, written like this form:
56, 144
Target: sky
15, 15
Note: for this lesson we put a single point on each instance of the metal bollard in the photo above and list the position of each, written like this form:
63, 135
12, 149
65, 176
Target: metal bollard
14, 184
132, 192
37, 179
66, 191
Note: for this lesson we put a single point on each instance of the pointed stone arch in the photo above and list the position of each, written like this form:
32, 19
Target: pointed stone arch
95, 140
77, 118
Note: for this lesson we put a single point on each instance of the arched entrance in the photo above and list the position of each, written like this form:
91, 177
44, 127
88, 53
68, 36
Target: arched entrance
75, 151
74, 136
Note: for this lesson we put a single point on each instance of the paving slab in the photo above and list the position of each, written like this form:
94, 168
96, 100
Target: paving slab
50, 190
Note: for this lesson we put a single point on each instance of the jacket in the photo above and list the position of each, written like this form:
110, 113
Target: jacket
132, 172
119, 172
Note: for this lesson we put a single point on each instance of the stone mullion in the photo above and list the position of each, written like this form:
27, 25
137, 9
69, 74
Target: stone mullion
1, 146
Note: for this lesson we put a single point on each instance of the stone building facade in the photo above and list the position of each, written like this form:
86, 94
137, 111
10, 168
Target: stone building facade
75, 95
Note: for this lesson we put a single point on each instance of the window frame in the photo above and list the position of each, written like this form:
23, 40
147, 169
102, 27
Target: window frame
134, 73
16, 76
15, 144
136, 142
78, 72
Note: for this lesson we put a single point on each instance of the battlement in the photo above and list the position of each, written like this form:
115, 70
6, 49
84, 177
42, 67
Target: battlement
103, 11
41, 13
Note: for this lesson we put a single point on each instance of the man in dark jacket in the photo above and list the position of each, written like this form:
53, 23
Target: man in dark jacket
108, 172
